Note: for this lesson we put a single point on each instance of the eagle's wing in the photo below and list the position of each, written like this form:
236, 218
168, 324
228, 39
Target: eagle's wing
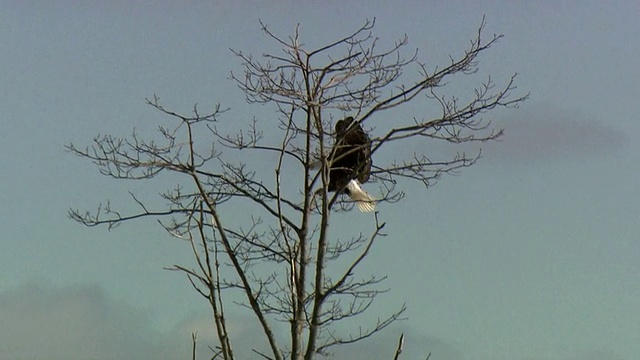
360, 139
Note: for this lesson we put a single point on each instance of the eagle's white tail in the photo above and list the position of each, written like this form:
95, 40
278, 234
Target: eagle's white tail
364, 201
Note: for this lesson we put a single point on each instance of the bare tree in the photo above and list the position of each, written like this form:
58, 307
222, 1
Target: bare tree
283, 259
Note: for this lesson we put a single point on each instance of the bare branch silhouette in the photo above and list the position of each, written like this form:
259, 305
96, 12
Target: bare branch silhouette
280, 255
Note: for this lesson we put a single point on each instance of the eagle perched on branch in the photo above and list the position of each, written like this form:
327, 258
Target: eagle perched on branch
351, 163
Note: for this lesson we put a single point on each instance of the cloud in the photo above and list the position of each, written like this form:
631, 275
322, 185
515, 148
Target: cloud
543, 132
79, 322
83, 322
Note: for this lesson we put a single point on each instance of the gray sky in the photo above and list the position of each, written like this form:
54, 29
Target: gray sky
533, 254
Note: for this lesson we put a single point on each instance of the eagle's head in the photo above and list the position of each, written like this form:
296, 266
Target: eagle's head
343, 125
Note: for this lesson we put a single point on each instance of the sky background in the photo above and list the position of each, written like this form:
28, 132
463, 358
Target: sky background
532, 254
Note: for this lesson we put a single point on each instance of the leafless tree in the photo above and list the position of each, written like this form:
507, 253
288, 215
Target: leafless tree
283, 259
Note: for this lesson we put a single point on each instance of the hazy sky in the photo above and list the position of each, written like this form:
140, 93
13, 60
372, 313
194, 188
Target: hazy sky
532, 254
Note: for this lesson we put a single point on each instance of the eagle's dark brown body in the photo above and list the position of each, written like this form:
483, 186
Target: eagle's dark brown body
351, 155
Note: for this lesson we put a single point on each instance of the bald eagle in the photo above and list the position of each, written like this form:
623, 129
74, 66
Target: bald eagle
351, 163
